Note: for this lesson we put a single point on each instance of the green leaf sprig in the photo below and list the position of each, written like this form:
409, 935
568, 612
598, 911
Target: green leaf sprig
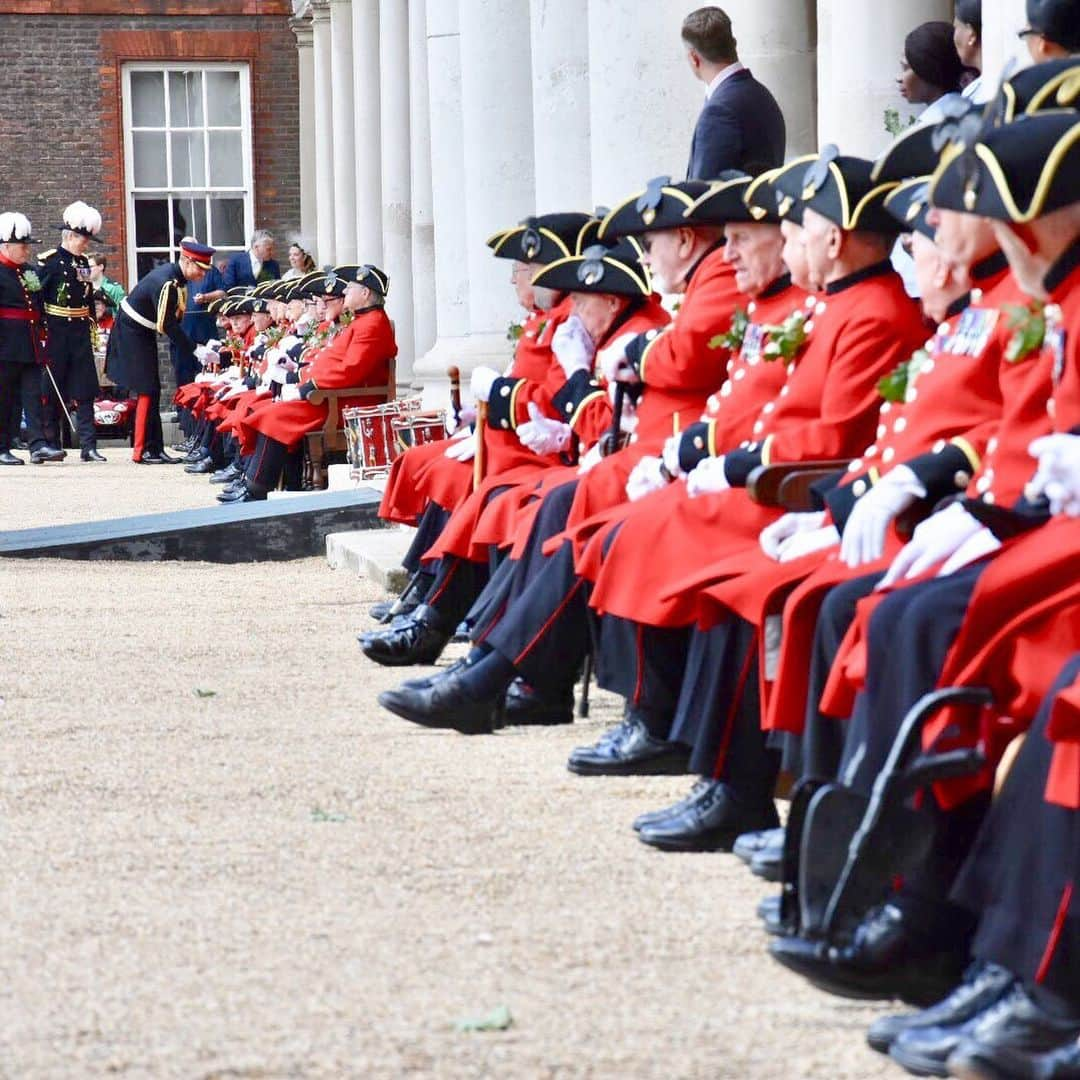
31, 282
1028, 323
894, 386
732, 340
787, 339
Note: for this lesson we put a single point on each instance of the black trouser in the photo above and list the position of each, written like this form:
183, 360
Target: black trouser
20, 390
62, 369
269, 461
428, 529
1022, 878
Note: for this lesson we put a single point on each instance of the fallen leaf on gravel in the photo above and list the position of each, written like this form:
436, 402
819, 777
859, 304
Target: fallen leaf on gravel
205, 693
319, 814
497, 1020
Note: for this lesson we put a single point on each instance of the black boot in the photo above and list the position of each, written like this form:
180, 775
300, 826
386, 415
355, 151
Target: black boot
91, 454
630, 750
711, 822
420, 640
443, 703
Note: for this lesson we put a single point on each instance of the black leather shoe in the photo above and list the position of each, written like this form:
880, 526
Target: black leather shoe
768, 912
196, 453
46, 453
525, 707
421, 640
199, 468
882, 961
422, 682
19, 444
1014, 1021
183, 447
768, 861
227, 475
381, 611
710, 823
92, 455
629, 750
651, 817
983, 985
8, 458
241, 494
752, 843
442, 704
157, 459
976, 1062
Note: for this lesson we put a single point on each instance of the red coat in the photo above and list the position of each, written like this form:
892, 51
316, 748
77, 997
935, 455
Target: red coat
460, 536
359, 356
827, 408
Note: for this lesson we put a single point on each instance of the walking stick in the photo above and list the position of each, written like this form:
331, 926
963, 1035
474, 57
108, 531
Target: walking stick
611, 437
478, 459
60, 398
454, 374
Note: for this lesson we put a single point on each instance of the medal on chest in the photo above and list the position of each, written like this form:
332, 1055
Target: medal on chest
973, 332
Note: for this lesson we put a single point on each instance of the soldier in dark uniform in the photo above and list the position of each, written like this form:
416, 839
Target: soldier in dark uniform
22, 350
155, 306
67, 291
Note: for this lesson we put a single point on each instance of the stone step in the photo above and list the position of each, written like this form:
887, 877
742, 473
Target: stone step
375, 554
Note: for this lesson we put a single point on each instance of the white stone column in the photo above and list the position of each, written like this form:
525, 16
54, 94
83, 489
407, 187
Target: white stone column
367, 90
496, 97
324, 136
448, 196
560, 94
341, 58
423, 227
395, 178
305, 54
859, 51
1002, 19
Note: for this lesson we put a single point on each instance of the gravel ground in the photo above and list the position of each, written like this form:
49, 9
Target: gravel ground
221, 859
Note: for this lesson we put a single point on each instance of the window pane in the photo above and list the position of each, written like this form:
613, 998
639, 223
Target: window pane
145, 261
188, 161
185, 99
151, 222
226, 159
149, 150
223, 98
148, 98
226, 223
189, 217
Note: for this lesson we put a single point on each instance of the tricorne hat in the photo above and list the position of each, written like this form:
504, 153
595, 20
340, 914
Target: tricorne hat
613, 269
909, 203
660, 206
784, 186
842, 190
542, 238
725, 202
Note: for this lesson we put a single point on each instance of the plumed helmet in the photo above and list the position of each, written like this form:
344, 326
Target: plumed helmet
15, 229
82, 219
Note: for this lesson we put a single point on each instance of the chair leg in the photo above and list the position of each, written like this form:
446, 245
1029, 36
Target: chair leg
586, 681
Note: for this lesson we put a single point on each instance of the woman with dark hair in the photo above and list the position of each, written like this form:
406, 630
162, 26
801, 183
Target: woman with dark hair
300, 262
967, 39
930, 67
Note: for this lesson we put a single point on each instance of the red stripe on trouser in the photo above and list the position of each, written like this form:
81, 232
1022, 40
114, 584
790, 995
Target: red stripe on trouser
740, 687
446, 581
142, 415
257, 462
543, 629
491, 625
1055, 933
639, 649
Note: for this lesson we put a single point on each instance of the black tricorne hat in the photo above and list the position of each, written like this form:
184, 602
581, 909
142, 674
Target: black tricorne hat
600, 269
909, 203
784, 186
842, 190
660, 206
725, 202
326, 283
918, 150
1015, 173
542, 238
1054, 84
371, 276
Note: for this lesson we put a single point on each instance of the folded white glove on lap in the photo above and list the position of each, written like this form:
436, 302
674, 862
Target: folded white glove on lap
867, 525
933, 541
542, 435
983, 543
773, 536
463, 449
670, 455
645, 479
1058, 475
707, 477
805, 543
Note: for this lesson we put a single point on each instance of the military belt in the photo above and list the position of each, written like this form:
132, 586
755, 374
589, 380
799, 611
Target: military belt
67, 312
132, 314
22, 314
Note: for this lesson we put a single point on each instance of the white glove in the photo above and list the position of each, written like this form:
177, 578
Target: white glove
289, 342
573, 347
205, 355
1058, 474
645, 479
275, 373
590, 460
463, 449
934, 540
455, 426
275, 355
864, 534
213, 344
707, 477
984, 542
773, 536
542, 435
804, 543
670, 455
613, 361
483, 379
290, 392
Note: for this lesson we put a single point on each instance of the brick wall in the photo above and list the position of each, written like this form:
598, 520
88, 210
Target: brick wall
60, 119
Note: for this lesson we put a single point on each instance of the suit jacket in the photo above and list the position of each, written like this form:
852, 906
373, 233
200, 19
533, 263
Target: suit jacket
740, 127
238, 271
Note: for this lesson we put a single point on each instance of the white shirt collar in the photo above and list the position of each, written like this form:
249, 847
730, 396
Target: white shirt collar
731, 69
256, 265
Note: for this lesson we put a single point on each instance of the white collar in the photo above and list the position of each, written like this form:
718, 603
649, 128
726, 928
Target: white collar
731, 69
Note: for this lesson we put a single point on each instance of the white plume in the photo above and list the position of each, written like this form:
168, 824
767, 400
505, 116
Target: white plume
14, 228
82, 217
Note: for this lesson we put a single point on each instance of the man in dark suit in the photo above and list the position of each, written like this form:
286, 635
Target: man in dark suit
248, 268
741, 126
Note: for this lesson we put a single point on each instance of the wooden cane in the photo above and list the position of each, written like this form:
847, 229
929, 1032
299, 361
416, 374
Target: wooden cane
478, 459
613, 436
453, 372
